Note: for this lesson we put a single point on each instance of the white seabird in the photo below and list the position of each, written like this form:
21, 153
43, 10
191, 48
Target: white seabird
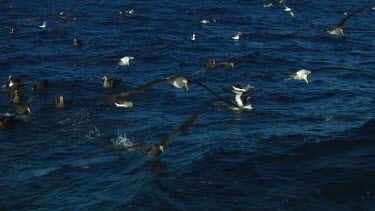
238, 36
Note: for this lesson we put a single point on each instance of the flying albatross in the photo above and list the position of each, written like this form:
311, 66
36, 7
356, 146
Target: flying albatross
157, 149
22, 110
123, 61
211, 65
178, 82
303, 73
338, 29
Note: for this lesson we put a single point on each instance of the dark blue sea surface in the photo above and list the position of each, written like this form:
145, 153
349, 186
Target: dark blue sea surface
302, 147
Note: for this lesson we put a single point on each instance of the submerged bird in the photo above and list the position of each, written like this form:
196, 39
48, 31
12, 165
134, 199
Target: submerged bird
238, 36
5, 121
110, 83
59, 102
44, 25
338, 29
22, 110
288, 9
158, 149
123, 61
302, 74
40, 85
179, 82
77, 43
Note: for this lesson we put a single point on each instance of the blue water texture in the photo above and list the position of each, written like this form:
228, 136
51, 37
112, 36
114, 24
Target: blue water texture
302, 147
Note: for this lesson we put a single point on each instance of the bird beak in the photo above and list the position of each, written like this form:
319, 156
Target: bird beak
306, 80
161, 148
186, 85
29, 110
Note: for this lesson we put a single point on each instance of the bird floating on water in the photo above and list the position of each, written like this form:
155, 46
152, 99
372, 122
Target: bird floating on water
157, 149
238, 36
16, 97
22, 110
77, 43
123, 103
206, 21
110, 82
44, 25
59, 102
303, 73
40, 85
193, 37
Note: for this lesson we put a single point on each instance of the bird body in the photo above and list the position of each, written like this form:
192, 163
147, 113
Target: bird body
238, 36
123, 104
40, 85
44, 25
110, 83
59, 102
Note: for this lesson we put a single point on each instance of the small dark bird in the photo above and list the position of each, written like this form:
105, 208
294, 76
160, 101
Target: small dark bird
77, 43
157, 149
5, 121
110, 83
15, 97
40, 85
59, 102
212, 65
22, 110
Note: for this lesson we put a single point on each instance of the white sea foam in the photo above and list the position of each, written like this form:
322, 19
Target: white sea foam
122, 140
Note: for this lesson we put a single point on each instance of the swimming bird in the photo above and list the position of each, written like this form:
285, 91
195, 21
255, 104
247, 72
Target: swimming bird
338, 29
288, 9
44, 25
22, 110
59, 102
157, 149
206, 21
40, 85
110, 83
242, 103
123, 104
16, 97
77, 43
5, 121
303, 73
123, 61
13, 31
178, 82
193, 37
238, 36
13, 81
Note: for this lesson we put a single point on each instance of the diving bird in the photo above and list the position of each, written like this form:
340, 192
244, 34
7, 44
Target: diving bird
42, 84
157, 149
178, 82
303, 74
338, 29
123, 61
59, 102
238, 36
22, 110
110, 82
5, 121
288, 9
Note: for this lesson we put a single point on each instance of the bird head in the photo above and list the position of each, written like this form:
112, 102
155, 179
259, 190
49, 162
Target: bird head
105, 78
10, 78
304, 77
161, 147
185, 83
28, 109
340, 31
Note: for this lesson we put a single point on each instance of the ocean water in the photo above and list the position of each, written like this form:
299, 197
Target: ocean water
302, 147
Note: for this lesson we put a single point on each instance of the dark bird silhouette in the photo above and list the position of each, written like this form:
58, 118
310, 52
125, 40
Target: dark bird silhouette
157, 149
5, 121
211, 66
338, 29
40, 85
22, 110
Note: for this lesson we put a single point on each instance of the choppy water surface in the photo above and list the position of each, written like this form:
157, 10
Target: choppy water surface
304, 146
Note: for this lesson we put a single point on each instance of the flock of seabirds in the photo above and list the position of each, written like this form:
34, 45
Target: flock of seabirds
15, 87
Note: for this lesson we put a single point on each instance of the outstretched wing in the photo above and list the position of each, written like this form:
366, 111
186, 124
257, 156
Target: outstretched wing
349, 16
154, 50
131, 148
31, 99
180, 130
134, 91
228, 102
271, 73
333, 68
94, 59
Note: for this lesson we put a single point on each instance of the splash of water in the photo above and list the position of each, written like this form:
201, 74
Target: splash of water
122, 140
